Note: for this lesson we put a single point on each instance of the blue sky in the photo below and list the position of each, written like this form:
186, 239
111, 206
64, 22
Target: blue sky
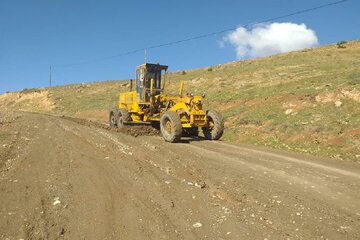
35, 34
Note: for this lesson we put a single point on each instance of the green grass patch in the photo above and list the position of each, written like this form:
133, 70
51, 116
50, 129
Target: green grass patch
4, 136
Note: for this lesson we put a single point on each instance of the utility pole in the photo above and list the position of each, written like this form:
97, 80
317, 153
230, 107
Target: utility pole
50, 76
145, 56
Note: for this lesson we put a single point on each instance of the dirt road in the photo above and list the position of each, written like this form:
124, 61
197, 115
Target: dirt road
66, 179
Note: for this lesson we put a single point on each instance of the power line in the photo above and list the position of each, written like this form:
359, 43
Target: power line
50, 77
205, 35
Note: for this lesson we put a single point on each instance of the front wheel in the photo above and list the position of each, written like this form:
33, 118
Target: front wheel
170, 126
215, 125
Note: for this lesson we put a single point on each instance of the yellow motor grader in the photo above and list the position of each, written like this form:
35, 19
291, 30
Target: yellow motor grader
175, 115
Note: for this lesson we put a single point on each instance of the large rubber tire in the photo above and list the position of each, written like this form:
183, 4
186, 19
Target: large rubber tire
112, 118
215, 128
170, 127
122, 117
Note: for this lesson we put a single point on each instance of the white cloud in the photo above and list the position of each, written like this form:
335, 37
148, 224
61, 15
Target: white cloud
268, 39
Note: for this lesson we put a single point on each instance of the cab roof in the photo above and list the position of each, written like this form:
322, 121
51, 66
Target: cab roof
152, 66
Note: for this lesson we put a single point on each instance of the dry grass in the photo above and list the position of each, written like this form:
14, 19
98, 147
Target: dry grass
37, 100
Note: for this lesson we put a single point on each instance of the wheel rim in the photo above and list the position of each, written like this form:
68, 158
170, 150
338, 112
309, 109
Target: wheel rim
112, 119
211, 124
120, 121
168, 126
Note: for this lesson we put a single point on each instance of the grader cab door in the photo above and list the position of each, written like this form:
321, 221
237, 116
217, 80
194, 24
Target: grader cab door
140, 78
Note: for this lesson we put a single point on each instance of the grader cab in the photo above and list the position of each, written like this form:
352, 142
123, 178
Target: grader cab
176, 115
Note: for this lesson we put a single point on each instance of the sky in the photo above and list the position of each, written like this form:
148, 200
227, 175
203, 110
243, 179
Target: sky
78, 38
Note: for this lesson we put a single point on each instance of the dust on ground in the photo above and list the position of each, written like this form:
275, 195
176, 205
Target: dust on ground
132, 129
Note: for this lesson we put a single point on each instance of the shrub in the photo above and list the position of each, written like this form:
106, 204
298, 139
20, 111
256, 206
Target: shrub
341, 44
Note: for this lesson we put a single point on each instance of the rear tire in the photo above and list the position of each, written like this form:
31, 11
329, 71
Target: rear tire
215, 128
112, 118
170, 126
122, 117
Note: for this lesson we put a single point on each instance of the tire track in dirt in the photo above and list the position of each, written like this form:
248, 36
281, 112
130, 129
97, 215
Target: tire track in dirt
294, 160
319, 179
160, 178
329, 200
116, 186
108, 138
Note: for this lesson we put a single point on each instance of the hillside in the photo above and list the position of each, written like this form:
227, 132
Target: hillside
306, 101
